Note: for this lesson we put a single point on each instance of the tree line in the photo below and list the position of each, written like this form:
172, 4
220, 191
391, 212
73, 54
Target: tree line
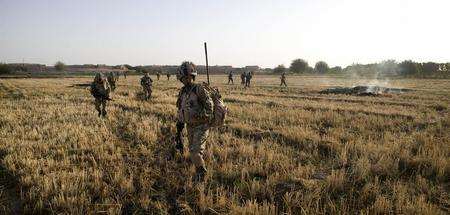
406, 68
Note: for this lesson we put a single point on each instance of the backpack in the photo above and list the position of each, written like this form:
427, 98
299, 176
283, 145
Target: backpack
220, 110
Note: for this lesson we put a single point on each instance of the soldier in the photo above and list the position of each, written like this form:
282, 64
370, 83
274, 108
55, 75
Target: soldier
195, 109
157, 75
146, 83
112, 81
243, 75
168, 76
248, 78
230, 77
100, 90
283, 79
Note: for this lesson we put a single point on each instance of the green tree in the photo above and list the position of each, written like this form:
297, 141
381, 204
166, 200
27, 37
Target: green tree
279, 69
321, 67
430, 67
60, 66
298, 66
336, 69
409, 67
4, 68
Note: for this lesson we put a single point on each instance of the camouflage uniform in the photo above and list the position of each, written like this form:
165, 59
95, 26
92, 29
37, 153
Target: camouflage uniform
112, 81
100, 90
168, 76
157, 75
248, 78
243, 78
195, 109
230, 78
146, 83
283, 79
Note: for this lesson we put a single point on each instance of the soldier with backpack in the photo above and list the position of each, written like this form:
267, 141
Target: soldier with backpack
112, 80
100, 90
283, 79
158, 74
146, 83
199, 108
243, 75
230, 77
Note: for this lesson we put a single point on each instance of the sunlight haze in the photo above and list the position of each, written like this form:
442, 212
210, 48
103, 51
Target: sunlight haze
239, 33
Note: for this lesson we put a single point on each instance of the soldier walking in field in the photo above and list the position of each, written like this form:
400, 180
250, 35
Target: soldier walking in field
168, 76
195, 110
230, 77
283, 79
100, 91
248, 78
157, 75
243, 75
146, 83
112, 81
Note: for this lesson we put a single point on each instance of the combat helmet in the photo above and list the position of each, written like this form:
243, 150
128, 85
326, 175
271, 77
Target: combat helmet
99, 77
186, 68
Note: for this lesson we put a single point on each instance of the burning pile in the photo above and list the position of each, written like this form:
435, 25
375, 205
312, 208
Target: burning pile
363, 90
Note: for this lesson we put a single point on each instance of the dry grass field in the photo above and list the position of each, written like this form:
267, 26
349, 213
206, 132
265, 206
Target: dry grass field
292, 151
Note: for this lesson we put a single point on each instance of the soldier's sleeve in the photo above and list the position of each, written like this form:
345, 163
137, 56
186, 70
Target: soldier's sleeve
179, 99
93, 90
206, 102
179, 115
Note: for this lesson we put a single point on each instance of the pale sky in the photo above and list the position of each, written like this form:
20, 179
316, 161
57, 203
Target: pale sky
239, 33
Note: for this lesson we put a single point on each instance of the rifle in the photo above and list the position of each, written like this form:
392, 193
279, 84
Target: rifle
206, 55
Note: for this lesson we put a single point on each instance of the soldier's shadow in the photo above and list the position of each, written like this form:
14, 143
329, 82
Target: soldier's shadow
10, 190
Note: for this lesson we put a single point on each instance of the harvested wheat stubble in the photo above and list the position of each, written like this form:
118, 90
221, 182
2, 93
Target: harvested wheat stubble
282, 151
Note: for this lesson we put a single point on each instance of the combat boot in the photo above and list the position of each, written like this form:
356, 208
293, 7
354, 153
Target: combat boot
200, 174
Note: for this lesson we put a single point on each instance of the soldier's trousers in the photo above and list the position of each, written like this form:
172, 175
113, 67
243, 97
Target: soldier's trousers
197, 136
100, 106
147, 92
247, 83
230, 80
283, 83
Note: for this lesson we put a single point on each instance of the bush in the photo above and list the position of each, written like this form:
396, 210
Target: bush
279, 69
321, 67
298, 66
59, 66
4, 68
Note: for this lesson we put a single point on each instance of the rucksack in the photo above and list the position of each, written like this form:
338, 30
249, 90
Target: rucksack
220, 110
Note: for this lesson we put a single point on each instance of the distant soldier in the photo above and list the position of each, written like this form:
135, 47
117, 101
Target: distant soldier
168, 76
100, 90
112, 80
146, 83
195, 109
283, 79
158, 74
243, 75
230, 77
248, 78
125, 75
